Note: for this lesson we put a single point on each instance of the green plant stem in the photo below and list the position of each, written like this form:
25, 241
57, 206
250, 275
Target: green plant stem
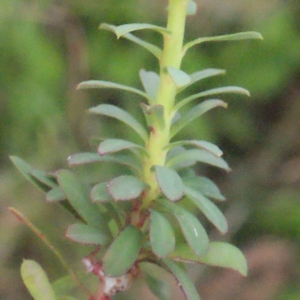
171, 57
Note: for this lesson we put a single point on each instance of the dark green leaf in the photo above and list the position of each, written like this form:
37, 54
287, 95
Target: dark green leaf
169, 182
36, 281
161, 234
219, 254
123, 252
125, 187
204, 186
150, 81
55, 194
100, 193
184, 281
78, 196
215, 91
209, 209
85, 234
222, 38
179, 77
194, 113
123, 116
156, 51
197, 155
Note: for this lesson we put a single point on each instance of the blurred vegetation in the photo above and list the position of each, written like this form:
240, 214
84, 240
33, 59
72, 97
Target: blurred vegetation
47, 47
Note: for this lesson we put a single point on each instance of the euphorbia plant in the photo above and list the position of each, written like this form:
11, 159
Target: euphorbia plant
138, 219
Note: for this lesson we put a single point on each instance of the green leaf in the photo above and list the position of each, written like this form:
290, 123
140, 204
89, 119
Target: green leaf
125, 187
224, 38
204, 186
162, 235
115, 145
169, 182
150, 81
126, 28
101, 84
191, 8
194, 113
85, 234
123, 116
192, 229
99, 193
55, 194
219, 254
156, 51
211, 148
215, 91
197, 155
154, 115
199, 75
123, 252
184, 281
179, 77
36, 281
78, 196
64, 285
209, 209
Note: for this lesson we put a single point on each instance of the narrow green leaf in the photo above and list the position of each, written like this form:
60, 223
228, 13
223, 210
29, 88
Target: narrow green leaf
123, 252
194, 113
224, 38
192, 229
44, 178
169, 182
219, 254
125, 187
115, 145
184, 281
161, 234
204, 186
85, 234
199, 75
150, 81
154, 115
215, 91
191, 8
123, 116
209, 209
101, 84
36, 281
78, 196
156, 51
99, 193
179, 77
211, 148
197, 155
55, 194
126, 28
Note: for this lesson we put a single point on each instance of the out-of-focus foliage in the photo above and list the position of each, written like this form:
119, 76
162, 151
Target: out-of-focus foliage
48, 47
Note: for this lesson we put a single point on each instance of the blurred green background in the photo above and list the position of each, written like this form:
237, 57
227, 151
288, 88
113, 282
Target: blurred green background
47, 47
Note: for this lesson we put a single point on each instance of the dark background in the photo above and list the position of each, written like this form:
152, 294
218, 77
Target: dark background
47, 47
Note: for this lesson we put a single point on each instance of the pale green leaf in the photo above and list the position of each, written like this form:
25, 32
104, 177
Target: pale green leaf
204, 186
156, 51
150, 81
184, 281
224, 38
55, 194
219, 254
100, 193
197, 155
179, 77
191, 8
194, 113
123, 252
154, 115
169, 182
85, 234
36, 281
64, 285
162, 235
209, 209
125, 187
215, 91
127, 28
123, 116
